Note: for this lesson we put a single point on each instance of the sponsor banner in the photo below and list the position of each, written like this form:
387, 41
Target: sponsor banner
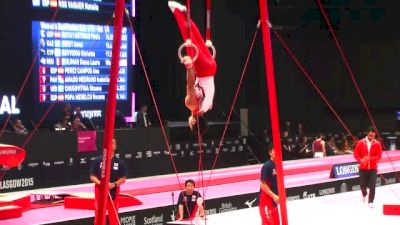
162, 215
155, 216
337, 186
128, 220
327, 191
344, 170
293, 197
68, 172
20, 183
391, 178
312, 191
86, 141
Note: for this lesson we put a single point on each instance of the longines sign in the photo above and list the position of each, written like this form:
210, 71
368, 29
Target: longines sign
344, 170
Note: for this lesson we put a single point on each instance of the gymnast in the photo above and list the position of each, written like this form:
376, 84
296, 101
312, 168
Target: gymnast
200, 70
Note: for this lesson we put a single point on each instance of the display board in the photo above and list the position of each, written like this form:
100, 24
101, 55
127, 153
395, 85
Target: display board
74, 61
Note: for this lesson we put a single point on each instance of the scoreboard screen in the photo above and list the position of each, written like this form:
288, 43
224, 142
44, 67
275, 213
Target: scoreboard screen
73, 61
98, 6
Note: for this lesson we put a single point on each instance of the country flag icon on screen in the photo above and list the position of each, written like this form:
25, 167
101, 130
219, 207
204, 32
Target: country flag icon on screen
60, 97
60, 70
42, 98
42, 88
57, 43
53, 3
58, 61
60, 88
42, 70
42, 79
60, 79
57, 52
57, 34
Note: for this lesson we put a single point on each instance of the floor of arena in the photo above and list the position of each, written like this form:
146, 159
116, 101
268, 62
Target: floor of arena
344, 208
156, 192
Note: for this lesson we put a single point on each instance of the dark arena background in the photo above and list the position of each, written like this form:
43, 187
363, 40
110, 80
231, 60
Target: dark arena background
336, 78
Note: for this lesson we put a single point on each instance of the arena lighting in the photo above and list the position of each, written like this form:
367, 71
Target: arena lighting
8, 105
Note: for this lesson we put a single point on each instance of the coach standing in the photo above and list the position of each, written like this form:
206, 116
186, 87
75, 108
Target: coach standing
368, 152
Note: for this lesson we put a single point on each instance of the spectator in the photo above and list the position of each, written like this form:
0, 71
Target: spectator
288, 127
266, 137
300, 130
119, 120
87, 122
347, 147
287, 150
339, 141
77, 125
63, 125
142, 119
19, 128
331, 148
77, 113
304, 149
67, 111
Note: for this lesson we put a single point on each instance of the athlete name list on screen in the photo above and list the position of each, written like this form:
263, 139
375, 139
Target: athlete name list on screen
82, 5
74, 61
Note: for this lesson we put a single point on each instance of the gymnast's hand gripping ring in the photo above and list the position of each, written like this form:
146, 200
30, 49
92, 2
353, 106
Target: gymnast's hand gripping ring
211, 46
188, 43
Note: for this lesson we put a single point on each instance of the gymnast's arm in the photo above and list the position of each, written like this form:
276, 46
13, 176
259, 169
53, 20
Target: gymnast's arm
190, 99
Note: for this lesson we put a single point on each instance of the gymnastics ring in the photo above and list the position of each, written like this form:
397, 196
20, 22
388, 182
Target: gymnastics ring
188, 43
211, 46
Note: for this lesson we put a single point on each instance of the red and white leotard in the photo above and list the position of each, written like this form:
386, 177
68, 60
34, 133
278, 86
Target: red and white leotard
205, 66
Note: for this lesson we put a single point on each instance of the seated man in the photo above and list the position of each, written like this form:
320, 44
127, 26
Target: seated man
77, 125
63, 125
189, 202
19, 128
200, 73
